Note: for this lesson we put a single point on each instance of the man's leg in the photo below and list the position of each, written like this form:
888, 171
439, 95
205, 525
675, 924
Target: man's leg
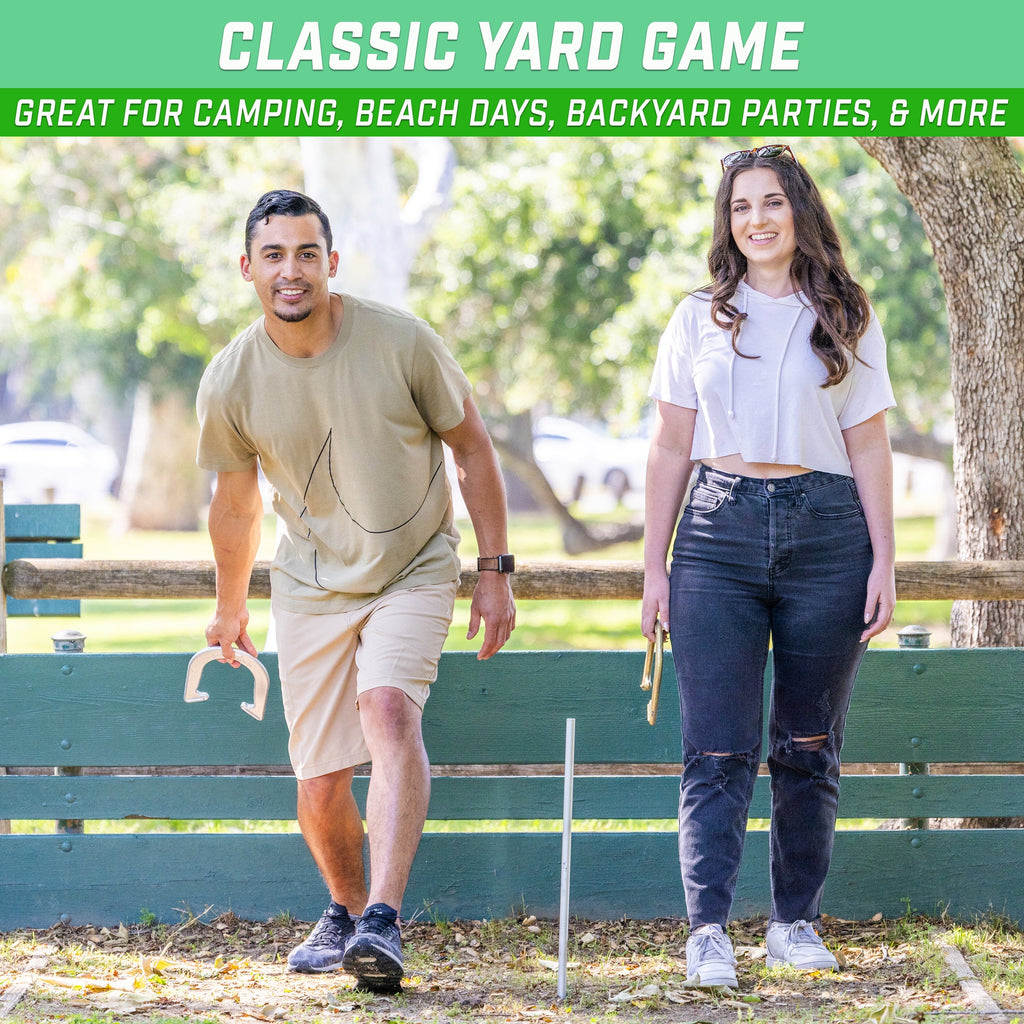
396, 804
333, 829
317, 663
398, 656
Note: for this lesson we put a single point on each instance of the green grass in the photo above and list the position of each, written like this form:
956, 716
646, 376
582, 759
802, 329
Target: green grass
178, 625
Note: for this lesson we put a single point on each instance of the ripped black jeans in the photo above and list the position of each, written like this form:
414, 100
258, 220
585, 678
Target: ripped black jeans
759, 563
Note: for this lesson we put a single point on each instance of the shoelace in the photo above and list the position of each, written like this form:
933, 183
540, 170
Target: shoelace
719, 943
801, 932
329, 933
378, 924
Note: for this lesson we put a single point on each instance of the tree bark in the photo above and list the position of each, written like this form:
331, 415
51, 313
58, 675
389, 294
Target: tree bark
162, 488
969, 194
376, 235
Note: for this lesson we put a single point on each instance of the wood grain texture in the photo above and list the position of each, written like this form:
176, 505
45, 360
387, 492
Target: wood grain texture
615, 875
499, 721
571, 580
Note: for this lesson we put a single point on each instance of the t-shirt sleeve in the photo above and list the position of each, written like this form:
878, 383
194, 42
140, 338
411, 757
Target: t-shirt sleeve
672, 380
870, 388
222, 448
439, 386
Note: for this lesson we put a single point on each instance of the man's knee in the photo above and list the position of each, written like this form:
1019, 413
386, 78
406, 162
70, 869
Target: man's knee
325, 789
389, 716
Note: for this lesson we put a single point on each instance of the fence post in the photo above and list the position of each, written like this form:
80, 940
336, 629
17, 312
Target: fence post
69, 641
913, 638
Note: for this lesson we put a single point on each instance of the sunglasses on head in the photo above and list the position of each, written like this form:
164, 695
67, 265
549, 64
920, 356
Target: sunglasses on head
768, 152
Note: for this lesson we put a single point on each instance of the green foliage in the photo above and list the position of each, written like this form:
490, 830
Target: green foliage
552, 275
561, 260
120, 258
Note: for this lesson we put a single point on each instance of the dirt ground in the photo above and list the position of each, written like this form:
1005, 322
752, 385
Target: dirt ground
227, 970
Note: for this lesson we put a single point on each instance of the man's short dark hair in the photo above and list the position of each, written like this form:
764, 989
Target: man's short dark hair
284, 203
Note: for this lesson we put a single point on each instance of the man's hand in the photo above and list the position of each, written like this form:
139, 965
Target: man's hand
227, 630
493, 603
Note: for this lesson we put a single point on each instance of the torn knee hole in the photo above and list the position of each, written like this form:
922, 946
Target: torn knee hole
810, 742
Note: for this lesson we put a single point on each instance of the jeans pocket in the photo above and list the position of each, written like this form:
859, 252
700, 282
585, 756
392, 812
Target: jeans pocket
706, 498
835, 500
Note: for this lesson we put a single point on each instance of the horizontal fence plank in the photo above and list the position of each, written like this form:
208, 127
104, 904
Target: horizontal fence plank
32, 522
16, 549
128, 709
49, 878
118, 797
34, 607
65, 709
568, 580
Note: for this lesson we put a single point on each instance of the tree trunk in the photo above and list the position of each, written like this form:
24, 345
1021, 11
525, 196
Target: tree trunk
162, 488
376, 236
969, 194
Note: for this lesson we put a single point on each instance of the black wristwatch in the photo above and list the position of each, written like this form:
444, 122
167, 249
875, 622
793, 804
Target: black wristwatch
498, 563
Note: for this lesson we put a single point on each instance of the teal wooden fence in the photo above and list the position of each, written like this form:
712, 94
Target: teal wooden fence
41, 531
495, 732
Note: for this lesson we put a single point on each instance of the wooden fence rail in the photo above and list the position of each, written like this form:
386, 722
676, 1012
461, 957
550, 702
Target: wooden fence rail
32, 578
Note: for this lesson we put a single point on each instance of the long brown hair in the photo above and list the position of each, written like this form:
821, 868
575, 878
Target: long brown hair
818, 268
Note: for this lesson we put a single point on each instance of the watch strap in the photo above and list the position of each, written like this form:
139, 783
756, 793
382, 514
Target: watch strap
497, 563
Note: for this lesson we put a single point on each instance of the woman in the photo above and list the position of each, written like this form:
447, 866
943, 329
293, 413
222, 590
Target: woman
772, 382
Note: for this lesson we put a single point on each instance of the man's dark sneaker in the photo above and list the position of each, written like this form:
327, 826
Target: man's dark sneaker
324, 947
374, 953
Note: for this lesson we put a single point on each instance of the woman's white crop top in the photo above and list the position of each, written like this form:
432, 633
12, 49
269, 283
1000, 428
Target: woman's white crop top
771, 409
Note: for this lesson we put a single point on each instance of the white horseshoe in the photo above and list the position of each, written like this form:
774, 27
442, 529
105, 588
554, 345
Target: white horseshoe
260, 677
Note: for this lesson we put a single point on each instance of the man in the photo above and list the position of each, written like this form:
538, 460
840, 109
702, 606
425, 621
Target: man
345, 403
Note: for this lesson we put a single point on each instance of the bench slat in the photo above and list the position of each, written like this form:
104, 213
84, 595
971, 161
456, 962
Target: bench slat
460, 876
32, 522
41, 797
127, 709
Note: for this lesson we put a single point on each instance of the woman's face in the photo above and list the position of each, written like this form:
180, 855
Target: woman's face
761, 219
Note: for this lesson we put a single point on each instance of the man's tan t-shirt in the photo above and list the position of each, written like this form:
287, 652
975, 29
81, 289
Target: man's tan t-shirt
348, 439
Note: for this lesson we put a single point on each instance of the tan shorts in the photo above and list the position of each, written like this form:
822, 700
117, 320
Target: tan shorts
326, 661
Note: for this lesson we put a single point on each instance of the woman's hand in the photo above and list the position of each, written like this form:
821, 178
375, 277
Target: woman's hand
881, 600
655, 603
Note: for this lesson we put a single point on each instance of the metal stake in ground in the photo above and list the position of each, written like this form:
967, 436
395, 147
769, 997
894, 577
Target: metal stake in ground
563, 911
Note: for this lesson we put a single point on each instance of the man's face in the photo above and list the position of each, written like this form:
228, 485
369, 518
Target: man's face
289, 266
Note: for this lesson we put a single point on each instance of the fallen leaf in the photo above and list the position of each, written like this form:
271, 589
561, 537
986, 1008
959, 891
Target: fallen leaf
629, 994
86, 984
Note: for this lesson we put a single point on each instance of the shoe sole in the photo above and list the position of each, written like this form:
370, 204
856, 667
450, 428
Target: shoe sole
713, 978
374, 969
309, 969
827, 965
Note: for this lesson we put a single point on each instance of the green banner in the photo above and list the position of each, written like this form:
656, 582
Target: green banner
748, 66
497, 112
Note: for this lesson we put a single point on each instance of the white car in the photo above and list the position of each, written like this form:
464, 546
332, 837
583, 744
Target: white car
49, 461
575, 457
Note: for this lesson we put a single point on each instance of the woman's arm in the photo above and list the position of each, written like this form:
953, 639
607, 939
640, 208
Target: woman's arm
668, 472
867, 445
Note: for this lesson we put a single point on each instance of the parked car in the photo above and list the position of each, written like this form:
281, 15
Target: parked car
575, 457
48, 461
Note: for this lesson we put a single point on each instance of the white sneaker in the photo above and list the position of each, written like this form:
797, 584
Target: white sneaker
710, 962
798, 945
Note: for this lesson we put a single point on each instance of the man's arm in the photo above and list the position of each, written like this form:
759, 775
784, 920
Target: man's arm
236, 516
484, 493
